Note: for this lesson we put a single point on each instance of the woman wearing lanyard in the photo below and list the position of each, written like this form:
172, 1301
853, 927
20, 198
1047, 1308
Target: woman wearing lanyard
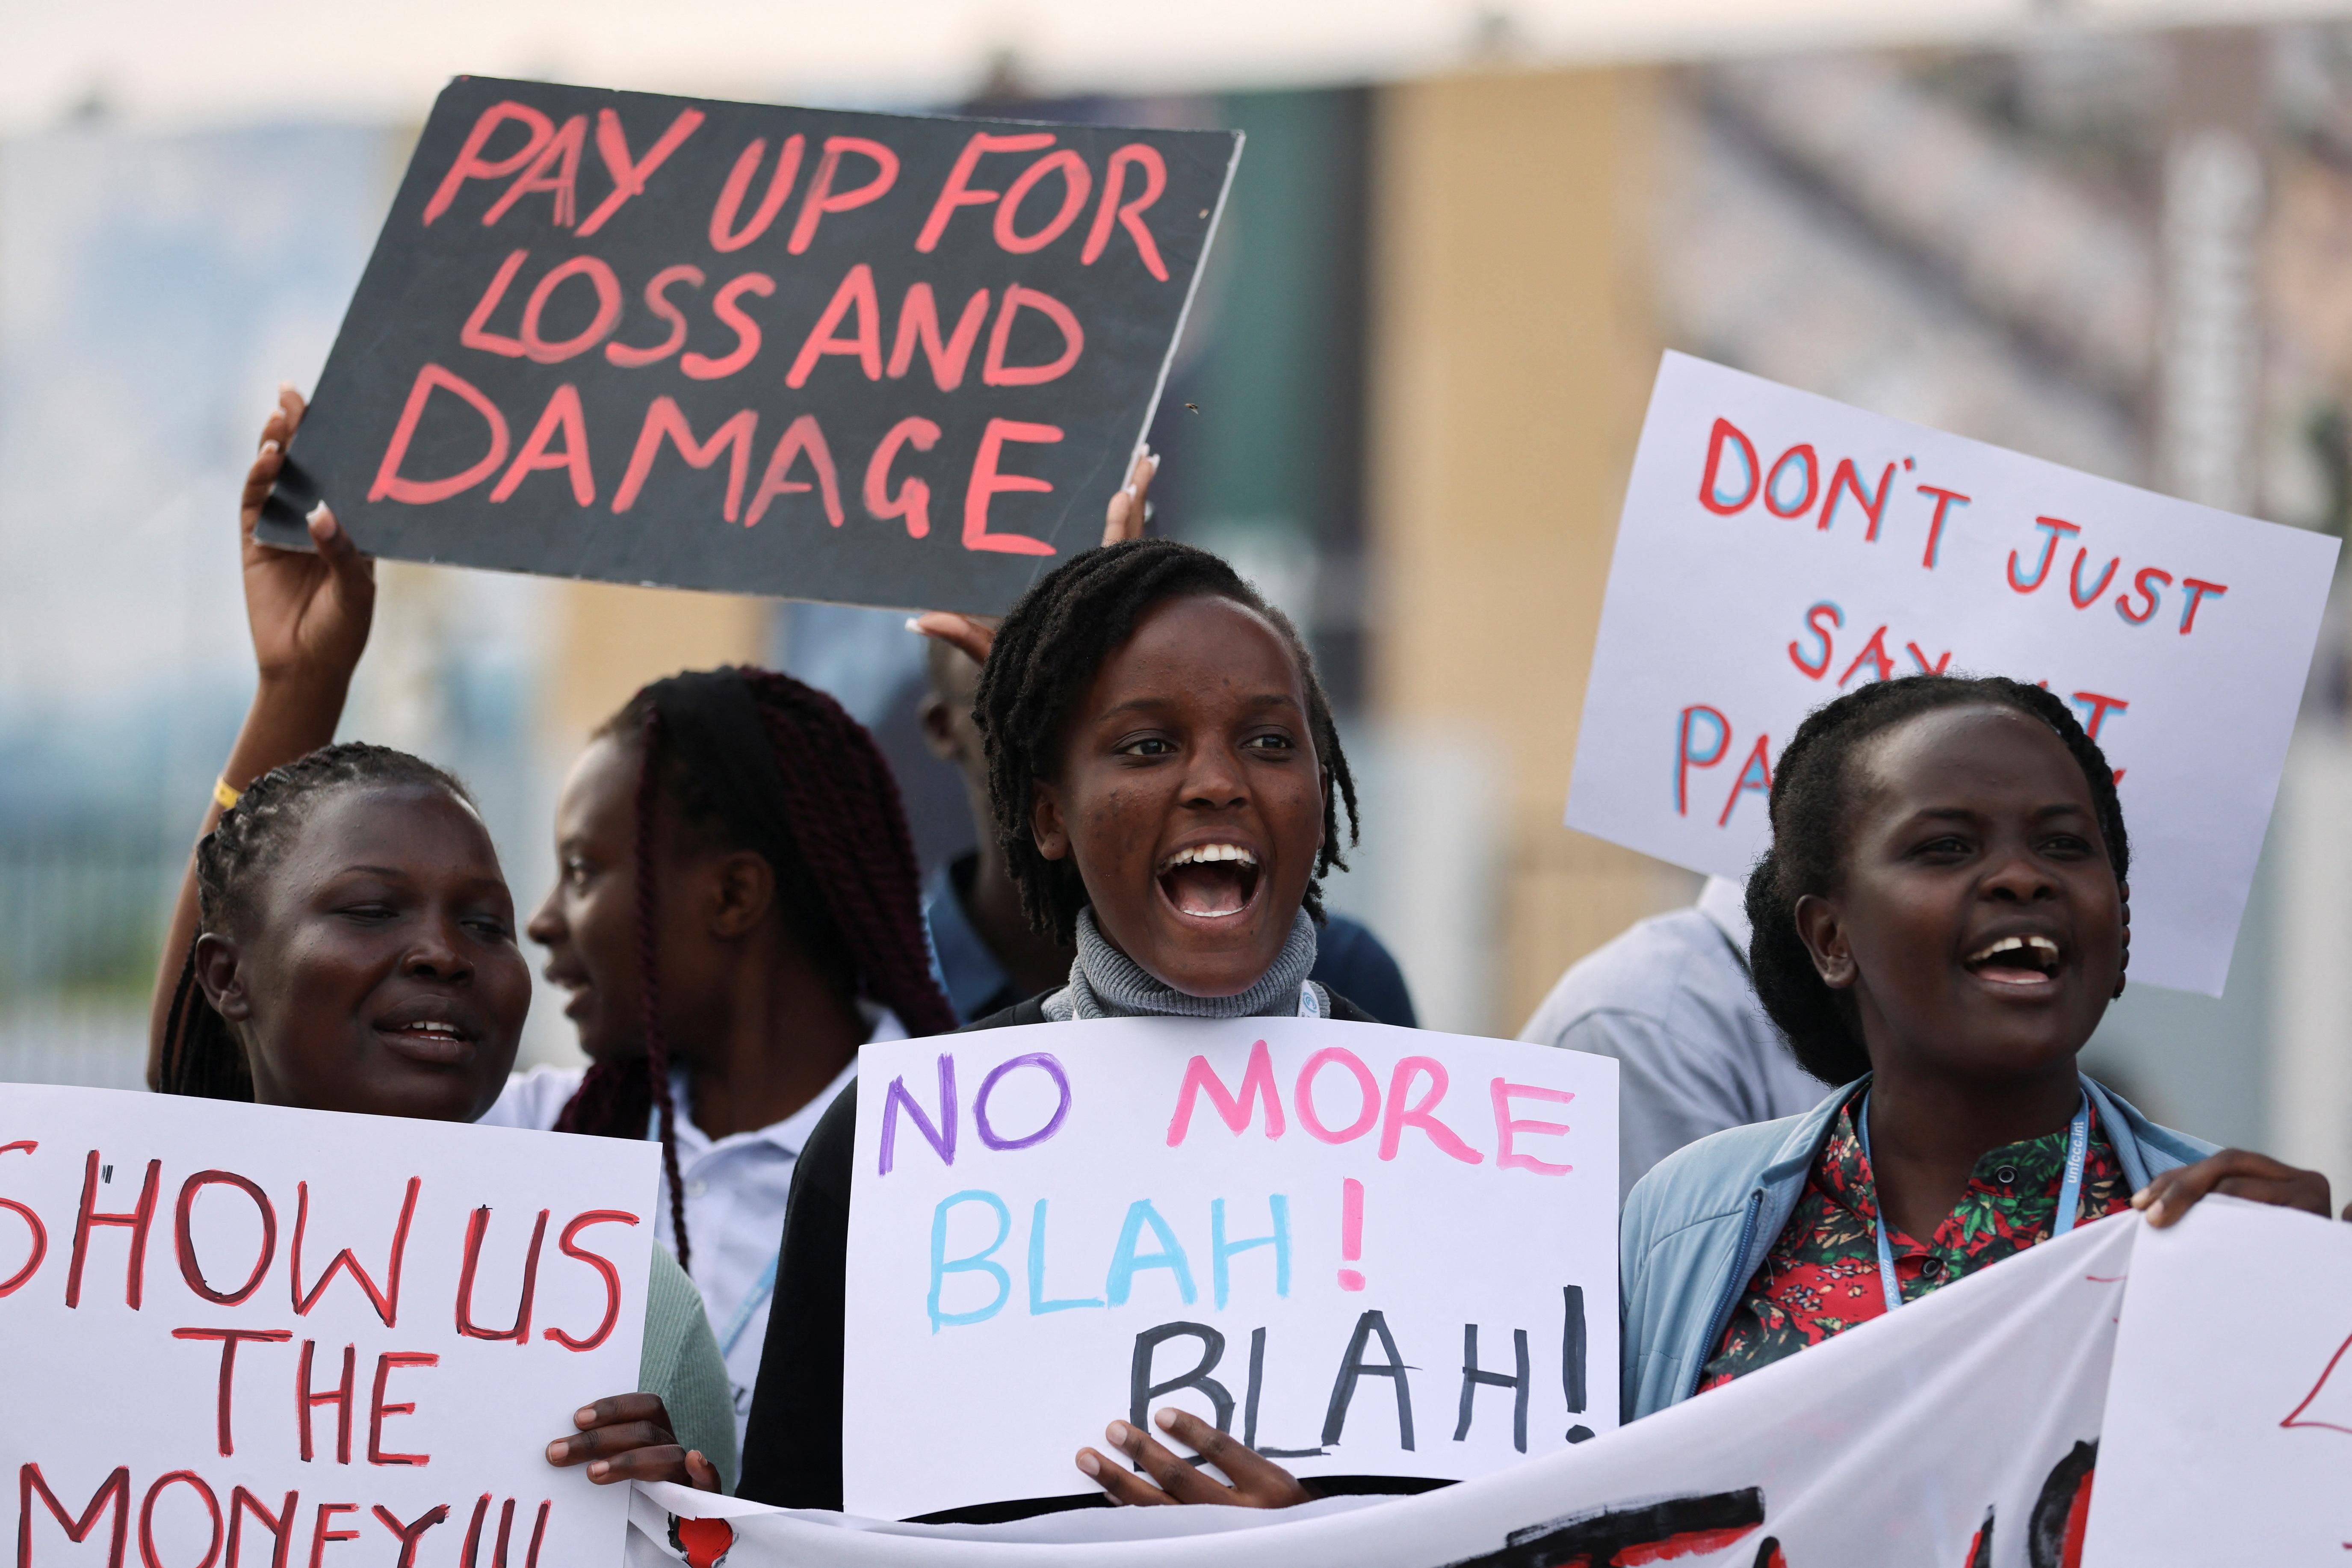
1940, 924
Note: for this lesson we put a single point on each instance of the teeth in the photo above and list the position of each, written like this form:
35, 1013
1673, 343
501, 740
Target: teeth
430, 1028
1207, 853
2042, 946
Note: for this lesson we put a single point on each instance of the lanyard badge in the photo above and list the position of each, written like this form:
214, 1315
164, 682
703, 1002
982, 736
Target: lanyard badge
2069, 1193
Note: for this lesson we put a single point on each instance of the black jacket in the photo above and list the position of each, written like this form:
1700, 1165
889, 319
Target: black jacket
791, 1447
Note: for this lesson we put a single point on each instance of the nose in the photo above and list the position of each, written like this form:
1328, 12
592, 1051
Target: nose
439, 953
2020, 877
547, 927
1216, 780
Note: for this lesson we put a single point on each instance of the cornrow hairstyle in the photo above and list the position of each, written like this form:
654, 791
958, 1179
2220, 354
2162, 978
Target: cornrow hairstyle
753, 760
201, 1054
1813, 804
1046, 654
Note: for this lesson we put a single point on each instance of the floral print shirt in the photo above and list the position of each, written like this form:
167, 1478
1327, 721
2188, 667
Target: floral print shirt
1822, 1276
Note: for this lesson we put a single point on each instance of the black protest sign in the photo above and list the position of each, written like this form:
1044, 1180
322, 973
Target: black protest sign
880, 359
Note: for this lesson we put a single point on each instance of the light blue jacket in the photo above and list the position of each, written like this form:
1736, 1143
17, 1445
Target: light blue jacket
1697, 1226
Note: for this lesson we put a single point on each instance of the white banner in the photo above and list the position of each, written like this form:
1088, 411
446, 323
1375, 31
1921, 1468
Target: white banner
2230, 1421
1958, 1433
232, 1335
1364, 1250
1778, 549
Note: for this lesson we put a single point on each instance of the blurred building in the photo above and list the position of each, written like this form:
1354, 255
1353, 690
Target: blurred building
1406, 405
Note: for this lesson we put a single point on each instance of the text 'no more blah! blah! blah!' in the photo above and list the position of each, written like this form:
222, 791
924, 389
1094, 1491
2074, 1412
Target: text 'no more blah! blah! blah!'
1252, 1218
874, 358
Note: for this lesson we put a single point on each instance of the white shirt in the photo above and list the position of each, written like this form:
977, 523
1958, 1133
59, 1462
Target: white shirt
735, 1193
1671, 1000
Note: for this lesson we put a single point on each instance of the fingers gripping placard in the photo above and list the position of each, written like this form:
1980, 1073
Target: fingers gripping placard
1778, 549
865, 357
1360, 1250
240, 1334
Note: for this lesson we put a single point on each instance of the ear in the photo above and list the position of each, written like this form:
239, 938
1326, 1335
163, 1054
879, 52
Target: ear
1045, 825
741, 890
1822, 928
939, 727
221, 977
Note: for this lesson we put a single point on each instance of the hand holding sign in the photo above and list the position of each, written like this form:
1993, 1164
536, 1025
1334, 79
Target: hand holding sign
1258, 1481
974, 636
308, 613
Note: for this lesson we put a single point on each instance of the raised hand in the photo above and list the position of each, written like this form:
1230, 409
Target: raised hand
1123, 520
1258, 1482
627, 1439
308, 613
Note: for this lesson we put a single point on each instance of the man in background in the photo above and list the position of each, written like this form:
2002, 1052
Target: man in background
989, 956
1672, 1001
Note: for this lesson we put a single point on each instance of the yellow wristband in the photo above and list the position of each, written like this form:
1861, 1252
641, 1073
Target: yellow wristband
227, 797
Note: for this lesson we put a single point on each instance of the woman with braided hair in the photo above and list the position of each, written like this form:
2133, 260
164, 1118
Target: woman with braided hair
1168, 783
1939, 924
354, 952
737, 907
737, 911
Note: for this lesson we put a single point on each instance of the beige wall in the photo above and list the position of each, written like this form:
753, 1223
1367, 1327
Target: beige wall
1514, 346
610, 640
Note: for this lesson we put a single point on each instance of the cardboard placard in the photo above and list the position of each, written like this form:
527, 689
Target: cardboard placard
236, 1333
1778, 549
881, 359
1306, 1232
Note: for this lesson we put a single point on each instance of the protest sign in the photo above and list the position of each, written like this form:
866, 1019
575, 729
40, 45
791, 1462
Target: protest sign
2230, 1408
1959, 1432
866, 357
1365, 1251
248, 1335
1778, 549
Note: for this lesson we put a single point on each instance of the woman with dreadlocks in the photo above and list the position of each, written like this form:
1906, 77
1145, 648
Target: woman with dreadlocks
355, 952
1939, 924
1166, 782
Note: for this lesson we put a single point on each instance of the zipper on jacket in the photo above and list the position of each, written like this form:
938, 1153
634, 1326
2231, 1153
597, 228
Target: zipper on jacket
1723, 1307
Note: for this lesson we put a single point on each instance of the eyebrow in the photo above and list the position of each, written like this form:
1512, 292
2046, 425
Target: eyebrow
1264, 700
1963, 814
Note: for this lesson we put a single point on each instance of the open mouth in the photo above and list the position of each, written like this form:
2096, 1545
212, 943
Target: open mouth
440, 1041
1209, 881
2023, 961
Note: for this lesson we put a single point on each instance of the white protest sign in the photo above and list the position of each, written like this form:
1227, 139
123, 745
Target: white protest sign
2230, 1408
1364, 1250
1958, 1433
245, 1337
1778, 549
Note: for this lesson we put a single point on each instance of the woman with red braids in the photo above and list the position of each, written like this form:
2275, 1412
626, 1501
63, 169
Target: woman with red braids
738, 910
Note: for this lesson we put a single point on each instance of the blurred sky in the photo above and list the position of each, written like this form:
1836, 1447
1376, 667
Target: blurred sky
240, 60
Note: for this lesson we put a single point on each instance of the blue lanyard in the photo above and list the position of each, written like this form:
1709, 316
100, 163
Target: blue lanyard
2069, 1192
762, 1289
